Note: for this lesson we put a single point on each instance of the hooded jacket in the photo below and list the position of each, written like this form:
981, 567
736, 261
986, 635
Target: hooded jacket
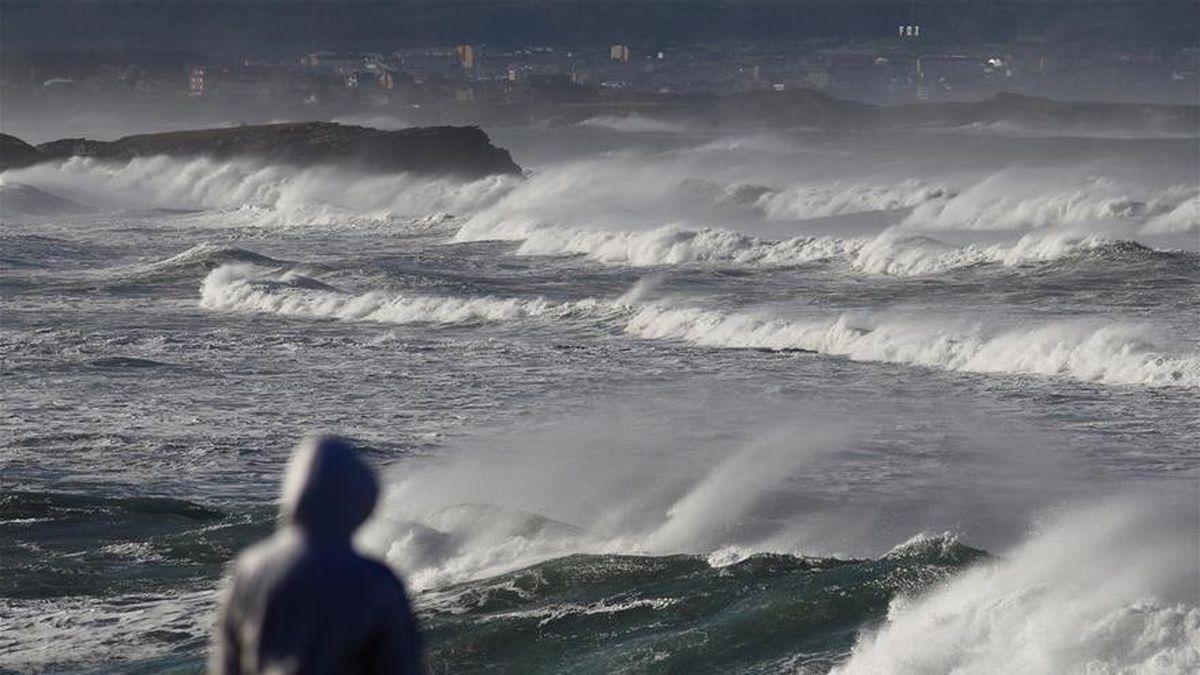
304, 601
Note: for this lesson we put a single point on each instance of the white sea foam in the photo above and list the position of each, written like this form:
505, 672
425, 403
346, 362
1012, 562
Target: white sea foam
636, 191
670, 245
253, 289
275, 195
634, 124
897, 253
1024, 198
1102, 590
1109, 354
843, 197
894, 252
599, 491
37, 634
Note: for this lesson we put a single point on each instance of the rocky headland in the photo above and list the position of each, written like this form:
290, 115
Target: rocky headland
444, 150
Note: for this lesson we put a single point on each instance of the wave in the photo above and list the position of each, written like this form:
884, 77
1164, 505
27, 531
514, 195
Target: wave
109, 632
673, 613
634, 124
1108, 354
664, 245
1021, 199
202, 258
896, 253
893, 252
638, 191
274, 195
17, 199
1097, 591
840, 198
252, 289
1008, 128
187, 265
35, 251
124, 362
1109, 588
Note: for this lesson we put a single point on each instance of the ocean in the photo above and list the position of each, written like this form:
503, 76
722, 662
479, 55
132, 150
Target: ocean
678, 400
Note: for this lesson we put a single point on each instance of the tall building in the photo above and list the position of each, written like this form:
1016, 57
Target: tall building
196, 82
466, 56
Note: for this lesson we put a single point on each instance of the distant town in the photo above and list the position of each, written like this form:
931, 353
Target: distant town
457, 83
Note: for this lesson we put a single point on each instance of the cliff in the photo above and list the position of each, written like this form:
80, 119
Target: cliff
459, 151
15, 152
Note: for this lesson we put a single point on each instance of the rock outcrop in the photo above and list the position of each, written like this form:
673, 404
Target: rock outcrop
458, 151
15, 152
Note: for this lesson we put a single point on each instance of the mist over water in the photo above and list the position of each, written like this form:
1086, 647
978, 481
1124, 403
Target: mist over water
676, 399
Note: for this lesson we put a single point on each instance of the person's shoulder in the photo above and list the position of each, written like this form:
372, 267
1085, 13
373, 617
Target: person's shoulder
380, 573
262, 556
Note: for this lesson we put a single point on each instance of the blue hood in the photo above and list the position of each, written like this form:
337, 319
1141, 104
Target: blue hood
328, 491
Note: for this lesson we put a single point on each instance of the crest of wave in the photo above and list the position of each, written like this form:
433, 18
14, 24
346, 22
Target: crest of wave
897, 253
634, 124
1019, 198
893, 252
1110, 354
253, 289
608, 483
628, 191
278, 194
1109, 589
842, 197
1183, 218
672, 244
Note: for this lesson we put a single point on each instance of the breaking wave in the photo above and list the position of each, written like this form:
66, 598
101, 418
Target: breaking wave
1021, 199
634, 124
1112, 354
17, 199
202, 258
802, 202
634, 191
288, 293
1108, 588
672, 613
1098, 591
275, 195
893, 252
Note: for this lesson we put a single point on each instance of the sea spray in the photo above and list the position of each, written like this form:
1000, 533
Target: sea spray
1109, 354
251, 289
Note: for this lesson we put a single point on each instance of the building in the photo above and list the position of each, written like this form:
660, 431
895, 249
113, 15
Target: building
341, 63
466, 56
196, 82
619, 53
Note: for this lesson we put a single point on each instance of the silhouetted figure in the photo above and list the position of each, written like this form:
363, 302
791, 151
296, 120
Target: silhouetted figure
304, 601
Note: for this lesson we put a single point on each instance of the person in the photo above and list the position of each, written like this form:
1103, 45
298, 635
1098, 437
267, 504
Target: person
304, 601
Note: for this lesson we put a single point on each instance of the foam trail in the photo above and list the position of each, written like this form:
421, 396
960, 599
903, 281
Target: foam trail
671, 245
250, 289
1118, 354
844, 197
100, 629
633, 124
893, 252
1101, 590
1019, 198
